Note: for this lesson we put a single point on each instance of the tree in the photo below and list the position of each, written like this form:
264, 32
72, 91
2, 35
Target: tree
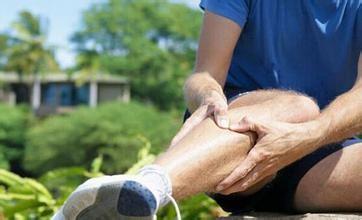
3, 48
151, 42
27, 52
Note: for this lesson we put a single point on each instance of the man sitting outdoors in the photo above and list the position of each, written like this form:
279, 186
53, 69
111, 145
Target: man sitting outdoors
256, 138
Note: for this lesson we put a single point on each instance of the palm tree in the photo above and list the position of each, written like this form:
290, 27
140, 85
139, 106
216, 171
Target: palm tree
27, 52
3, 47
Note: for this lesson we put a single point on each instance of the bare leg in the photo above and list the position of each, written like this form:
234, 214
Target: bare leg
208, 154
195, 164
334, 184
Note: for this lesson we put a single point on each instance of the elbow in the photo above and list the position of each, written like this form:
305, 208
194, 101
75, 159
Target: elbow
307, 106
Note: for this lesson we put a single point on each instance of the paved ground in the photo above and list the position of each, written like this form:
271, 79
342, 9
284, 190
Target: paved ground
273, 216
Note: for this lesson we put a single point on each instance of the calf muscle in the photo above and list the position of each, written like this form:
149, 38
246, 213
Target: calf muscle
205, 156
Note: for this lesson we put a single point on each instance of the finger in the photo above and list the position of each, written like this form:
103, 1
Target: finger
232, 189
237, 186
257, 175
182, 132
210, 110
240, 186
248, 124
240, 172
196, 118
243, 125
221, 117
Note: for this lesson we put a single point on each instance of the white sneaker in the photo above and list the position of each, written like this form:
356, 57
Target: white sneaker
110, 197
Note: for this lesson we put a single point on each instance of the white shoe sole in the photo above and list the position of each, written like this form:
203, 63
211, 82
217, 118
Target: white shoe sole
108, 198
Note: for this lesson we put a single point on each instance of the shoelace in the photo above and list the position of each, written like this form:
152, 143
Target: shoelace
177, 209
160, 171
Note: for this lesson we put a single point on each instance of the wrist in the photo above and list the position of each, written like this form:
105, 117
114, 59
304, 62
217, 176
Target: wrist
316, 132
210, 96
198, 94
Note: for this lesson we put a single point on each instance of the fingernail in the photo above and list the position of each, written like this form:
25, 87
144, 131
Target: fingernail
223, 122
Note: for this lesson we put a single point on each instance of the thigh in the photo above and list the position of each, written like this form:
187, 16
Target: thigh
333, 184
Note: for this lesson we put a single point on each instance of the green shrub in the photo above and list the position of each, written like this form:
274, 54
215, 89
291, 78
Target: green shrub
115, 130
199, 207
4, 163
13, 125
24, 198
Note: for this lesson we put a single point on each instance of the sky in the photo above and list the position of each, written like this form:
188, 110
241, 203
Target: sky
64, 19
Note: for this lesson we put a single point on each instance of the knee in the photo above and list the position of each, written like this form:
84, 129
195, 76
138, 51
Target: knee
308, 108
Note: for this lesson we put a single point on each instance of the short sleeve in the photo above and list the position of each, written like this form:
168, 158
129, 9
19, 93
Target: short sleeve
359, 30
235, 10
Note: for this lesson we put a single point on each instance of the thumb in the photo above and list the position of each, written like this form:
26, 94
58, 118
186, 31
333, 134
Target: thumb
247, 124
221, 116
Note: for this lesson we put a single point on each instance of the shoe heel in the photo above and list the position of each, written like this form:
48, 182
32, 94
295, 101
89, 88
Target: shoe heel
136, 200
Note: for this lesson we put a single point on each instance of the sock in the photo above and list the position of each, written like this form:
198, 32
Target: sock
157, 179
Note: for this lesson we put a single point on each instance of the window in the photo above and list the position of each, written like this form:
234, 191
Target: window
64, 94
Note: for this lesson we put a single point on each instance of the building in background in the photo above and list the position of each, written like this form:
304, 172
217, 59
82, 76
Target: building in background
59, 93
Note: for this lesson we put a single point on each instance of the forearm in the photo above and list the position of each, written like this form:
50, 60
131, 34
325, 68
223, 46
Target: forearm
198, 87
342, 118
218, 38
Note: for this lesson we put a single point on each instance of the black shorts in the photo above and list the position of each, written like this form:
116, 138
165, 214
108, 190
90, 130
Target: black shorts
277, 195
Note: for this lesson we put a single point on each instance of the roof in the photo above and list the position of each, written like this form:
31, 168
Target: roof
11, 77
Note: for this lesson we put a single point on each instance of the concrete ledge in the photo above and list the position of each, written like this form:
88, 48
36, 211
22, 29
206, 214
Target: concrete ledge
308, 216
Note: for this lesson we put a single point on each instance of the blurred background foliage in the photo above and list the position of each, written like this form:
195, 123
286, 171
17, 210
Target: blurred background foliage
14, 122
151, 42
42, 160
113, 130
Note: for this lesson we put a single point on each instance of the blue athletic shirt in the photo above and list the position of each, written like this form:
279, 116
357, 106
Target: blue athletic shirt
310, 46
